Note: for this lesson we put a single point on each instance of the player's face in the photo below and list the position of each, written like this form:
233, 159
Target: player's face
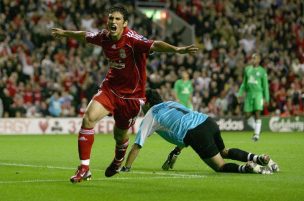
116, 25
255, 59
185, 76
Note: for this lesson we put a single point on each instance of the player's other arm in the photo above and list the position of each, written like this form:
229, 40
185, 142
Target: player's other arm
146, 128
175, 90
265, 87
191, 95
78, 35
243, 85
131, 157
161, 46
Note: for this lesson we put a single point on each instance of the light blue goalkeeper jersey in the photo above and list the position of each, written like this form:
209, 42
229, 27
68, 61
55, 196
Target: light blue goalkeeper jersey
171, 121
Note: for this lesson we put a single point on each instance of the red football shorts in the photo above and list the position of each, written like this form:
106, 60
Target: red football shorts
124, 111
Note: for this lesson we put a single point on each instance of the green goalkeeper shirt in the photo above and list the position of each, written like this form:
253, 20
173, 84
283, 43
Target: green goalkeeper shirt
255, 81
183, 90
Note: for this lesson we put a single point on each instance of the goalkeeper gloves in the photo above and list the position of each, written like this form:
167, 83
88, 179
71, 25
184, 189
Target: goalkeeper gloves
169, 163
125, 169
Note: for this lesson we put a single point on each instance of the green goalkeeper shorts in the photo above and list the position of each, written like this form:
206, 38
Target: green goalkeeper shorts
253, 102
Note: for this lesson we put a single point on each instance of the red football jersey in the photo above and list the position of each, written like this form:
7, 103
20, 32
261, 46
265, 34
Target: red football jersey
126, 76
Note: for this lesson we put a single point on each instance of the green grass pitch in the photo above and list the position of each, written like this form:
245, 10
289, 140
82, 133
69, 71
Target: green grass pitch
39, 168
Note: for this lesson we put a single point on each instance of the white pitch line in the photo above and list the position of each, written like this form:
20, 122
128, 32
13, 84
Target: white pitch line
102, 179
36, 166
171, 174
133, 172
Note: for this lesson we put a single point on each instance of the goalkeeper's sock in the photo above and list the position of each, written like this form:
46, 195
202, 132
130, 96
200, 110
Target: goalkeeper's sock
231, 167
259, 159
238, 154
242, 169
85, 142
120, 150
258, 125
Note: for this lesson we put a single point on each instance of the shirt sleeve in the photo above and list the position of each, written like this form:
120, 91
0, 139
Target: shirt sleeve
94, 37
265, 87
243, 85
142, 44
191, 87
147, 128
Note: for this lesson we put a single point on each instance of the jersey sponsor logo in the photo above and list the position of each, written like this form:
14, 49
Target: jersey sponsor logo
116, 64
186, 90
252, 80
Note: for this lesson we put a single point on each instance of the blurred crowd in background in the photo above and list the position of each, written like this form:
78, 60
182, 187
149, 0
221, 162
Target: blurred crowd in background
43, 76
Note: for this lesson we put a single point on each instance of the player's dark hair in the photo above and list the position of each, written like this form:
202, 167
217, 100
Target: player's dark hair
153, 97
119, 8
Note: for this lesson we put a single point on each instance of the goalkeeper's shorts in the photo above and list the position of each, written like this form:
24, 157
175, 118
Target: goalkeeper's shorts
205, 139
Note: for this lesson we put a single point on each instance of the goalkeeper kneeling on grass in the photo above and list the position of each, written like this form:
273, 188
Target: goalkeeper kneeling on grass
184, 127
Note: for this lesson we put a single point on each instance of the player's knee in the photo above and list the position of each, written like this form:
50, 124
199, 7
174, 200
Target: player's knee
88, 119
121, 135
221, 168
218, 169
119, 138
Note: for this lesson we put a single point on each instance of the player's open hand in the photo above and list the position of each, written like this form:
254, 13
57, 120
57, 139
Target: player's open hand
57, 33
191, 49
266, 103
239, 99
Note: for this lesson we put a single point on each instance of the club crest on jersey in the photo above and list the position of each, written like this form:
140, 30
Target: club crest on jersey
122, 53
258, 74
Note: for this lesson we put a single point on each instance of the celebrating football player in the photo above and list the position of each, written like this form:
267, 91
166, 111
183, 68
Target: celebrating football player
123, 89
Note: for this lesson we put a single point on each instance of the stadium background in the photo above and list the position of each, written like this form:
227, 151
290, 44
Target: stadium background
38, 71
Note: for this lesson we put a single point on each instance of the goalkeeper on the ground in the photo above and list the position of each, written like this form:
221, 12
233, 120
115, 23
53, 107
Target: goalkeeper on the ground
184, 127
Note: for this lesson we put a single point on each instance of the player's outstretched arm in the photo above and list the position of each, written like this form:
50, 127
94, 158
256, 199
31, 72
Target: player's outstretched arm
131, 157
171, 159
161, 46
60, 33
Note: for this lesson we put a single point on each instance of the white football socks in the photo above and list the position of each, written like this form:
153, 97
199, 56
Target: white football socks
85, 162
251, 122
258, 125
